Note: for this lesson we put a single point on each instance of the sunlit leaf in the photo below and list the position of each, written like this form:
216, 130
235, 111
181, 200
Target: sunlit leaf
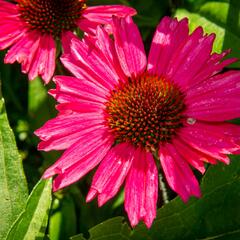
31, 224
12, 180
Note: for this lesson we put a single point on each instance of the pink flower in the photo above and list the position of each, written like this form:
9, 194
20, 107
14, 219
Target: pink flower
33, 29
123, 112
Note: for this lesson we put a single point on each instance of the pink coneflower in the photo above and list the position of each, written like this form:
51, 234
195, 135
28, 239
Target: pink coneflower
33, 28
129, 115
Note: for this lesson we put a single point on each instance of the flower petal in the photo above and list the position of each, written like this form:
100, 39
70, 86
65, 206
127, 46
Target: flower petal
193, 157
178, 173
87, 63
43, 62
129, 46
141, 190
63, 131
82, 152
103, 14
71, 89
216, 99
215, 140
170, 34
84, 161
111, 173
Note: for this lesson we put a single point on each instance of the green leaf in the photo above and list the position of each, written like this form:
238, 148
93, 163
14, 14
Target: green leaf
111, 229
220, 17
32, 223
13, 185
214, 216
62, 222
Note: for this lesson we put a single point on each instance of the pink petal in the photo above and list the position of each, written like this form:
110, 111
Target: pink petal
111, 173
23, 50
106, 47
178, 173
196, 54
129, 46
63, 131
84, 161
36, 53
213, 109
87, 26
216, 99
211, 139
141, 190
94, 60
11, 33
211, 67
8, 7
181, 53
170, 35
192, 156
87, 63
103, 14
84, 150
71, 89
225, 83
84, 106
43, 61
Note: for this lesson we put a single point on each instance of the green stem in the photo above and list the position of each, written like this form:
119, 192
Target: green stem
161, 180
163, 188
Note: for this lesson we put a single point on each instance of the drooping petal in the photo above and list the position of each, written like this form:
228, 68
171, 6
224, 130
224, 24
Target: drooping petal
84, 161
141, 189
36, 53
129, 46
43, 62
178, 174
111, 173
23, 50
11, 33
84, 151
11, 27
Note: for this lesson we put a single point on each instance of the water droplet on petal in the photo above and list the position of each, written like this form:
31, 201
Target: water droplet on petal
191, 121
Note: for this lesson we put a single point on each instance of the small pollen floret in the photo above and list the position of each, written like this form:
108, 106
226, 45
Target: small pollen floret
51, 16
145, 111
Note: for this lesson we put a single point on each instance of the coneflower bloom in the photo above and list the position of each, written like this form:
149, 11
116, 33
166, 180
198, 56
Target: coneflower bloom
32, 29
129, 114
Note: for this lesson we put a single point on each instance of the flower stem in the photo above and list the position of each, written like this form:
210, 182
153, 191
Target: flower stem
163, 188
161, 180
